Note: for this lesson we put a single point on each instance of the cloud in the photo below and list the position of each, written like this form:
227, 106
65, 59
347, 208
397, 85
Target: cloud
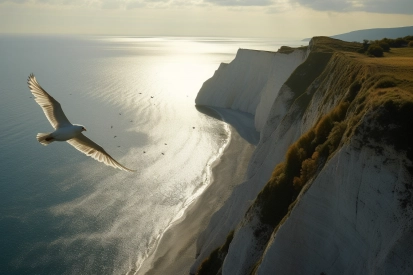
394, 6
51, 2
136, 4
17, 1
280, 6
112, 4
371, 6
241, 3
129, 4
272, 6
325, 5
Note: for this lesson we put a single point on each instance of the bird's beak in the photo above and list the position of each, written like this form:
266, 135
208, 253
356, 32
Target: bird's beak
84, 129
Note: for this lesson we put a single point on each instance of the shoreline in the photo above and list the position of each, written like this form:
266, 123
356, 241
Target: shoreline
176, 249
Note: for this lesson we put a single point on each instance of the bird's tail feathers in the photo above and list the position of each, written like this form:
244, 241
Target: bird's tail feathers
44, 138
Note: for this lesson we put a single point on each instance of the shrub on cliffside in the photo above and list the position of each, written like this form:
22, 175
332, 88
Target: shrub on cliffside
375, 50
302, 161
213, 263
396, 43
385, 46
372, 47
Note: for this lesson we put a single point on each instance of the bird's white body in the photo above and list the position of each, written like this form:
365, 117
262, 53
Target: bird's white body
66, 131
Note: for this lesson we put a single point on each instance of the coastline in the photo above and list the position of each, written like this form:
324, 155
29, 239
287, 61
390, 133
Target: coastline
176, 250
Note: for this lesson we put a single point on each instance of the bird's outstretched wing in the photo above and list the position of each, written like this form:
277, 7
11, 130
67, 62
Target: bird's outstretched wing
50, 106
88, 147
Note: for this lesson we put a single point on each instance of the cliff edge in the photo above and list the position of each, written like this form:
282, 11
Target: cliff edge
328, 189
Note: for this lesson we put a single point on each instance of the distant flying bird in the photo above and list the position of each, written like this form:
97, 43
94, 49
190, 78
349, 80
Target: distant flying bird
66, 131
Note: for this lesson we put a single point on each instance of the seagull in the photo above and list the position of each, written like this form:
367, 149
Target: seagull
66, 131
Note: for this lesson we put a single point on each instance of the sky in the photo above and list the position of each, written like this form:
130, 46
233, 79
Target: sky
223, 18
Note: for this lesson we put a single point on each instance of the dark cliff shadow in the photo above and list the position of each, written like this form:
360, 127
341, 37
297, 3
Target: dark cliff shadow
242, 122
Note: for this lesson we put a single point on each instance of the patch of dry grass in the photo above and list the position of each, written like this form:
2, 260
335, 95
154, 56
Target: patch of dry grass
398, 64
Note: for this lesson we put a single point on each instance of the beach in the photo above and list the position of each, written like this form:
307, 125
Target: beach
176, 250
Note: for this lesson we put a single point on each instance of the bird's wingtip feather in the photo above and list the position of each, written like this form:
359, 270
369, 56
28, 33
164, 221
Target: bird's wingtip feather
127, 169
31, 78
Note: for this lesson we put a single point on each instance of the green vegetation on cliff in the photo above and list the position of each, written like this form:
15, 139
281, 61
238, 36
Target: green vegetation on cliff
303, 159
213, 263
378, 47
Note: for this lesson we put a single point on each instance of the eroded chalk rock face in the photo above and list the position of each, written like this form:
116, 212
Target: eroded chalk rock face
351, 220
329, 187
251, 82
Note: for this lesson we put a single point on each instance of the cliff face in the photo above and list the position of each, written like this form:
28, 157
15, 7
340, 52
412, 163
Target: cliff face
350, 221
329, 186
250, 82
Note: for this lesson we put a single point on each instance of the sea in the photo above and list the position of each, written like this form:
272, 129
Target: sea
62, 212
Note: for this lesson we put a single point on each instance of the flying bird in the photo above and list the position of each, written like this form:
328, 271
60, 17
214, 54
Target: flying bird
66, 131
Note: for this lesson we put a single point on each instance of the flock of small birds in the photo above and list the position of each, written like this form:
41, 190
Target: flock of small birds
144, 152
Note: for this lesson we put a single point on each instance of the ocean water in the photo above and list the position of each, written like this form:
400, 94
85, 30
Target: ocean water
62, 212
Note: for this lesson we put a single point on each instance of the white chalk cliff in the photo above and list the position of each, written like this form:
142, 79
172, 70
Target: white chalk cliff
250, 83
347, 208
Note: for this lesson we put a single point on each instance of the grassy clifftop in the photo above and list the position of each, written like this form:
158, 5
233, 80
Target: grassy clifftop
352, 95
